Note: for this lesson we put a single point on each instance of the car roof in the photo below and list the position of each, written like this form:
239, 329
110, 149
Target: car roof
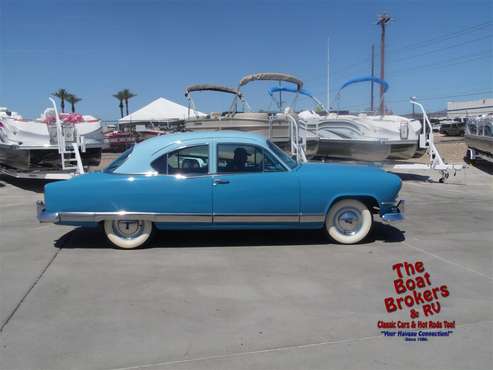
142, 153
156, 143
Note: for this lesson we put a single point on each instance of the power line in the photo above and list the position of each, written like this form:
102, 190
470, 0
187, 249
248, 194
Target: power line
427, 42
445, 37
403, 100
442, 49
460, 60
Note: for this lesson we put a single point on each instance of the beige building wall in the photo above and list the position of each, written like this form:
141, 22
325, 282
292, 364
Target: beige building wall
469, 108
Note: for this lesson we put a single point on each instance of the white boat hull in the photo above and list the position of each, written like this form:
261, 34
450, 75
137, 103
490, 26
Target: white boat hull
31, 144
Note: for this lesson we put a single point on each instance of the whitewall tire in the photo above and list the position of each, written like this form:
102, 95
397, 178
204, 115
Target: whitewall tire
128, 234
349, 221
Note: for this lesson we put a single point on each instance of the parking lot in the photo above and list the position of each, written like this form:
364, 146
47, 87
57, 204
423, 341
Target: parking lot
245, 300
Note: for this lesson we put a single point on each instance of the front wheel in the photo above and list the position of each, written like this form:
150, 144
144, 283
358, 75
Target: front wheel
348, 221
128, 234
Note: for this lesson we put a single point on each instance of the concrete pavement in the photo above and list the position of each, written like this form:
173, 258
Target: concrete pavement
244, 300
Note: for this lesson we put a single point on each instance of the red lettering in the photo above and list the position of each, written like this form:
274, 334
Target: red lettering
399, 286
420, 282
420, 267
444, 291
410, 284
435, 290
409, 268
428, 296
431, 309
427, 310
389, 304
418, 297
409, 301
427, 277
399, 301
397, 268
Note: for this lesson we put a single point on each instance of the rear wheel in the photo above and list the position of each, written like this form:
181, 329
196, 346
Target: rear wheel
128, 234
348, 221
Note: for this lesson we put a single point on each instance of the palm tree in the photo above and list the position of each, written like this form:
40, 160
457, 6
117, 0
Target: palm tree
62, 95
119, 95
72, 99
127, 94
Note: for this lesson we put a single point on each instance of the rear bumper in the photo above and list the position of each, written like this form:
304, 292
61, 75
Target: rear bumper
392, 212
44, 216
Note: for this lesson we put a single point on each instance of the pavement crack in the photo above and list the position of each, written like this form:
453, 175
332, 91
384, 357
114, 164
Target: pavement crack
19, 304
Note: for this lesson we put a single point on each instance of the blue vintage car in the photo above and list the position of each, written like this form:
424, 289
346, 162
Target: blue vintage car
221, 180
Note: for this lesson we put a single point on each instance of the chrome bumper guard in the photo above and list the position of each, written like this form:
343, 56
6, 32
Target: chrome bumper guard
44, 216
396, 213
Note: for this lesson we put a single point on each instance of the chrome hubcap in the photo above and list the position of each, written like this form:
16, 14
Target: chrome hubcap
128, 229
348, 221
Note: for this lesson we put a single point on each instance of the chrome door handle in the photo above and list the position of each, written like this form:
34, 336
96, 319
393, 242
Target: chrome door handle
220, 182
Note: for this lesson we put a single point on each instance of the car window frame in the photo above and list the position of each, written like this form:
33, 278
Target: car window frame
175, 149
217, 143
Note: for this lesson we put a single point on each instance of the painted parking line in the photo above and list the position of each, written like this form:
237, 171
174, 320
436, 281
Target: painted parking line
447, 261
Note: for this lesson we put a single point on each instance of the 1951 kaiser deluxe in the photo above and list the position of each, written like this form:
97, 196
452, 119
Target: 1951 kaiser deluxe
221, 180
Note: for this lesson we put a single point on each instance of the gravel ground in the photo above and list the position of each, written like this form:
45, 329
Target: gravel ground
451, 148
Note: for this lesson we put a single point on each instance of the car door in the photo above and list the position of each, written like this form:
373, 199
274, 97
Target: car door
185, 185
251, 186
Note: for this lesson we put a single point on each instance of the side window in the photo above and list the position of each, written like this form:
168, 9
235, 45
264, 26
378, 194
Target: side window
239, 158
232, 158
193, 160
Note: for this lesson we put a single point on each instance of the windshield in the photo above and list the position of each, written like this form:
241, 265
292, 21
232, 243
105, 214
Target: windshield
288, 161
119, 161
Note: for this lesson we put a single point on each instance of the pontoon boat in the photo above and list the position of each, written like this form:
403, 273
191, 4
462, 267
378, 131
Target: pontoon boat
276, 126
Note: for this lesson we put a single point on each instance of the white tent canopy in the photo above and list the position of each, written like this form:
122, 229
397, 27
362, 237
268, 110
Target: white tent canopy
160, 110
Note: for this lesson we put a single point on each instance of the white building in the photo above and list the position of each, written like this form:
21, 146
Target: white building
469, 108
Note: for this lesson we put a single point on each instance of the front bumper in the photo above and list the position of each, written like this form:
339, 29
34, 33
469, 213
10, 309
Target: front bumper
392, 212
44, 216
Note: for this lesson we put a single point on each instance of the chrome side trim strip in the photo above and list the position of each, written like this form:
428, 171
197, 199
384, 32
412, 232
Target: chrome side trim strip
239, 218
155, 217
312, 218
188, 217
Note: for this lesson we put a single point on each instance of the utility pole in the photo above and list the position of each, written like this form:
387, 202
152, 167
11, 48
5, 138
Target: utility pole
382, 21
372, 76
328, 75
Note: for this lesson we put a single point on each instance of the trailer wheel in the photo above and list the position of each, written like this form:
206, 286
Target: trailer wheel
128, 234
349, 221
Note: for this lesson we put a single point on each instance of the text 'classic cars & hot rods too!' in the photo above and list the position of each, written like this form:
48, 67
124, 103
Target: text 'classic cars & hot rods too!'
221, 180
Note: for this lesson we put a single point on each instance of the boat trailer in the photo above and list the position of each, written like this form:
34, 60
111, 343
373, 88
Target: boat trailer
435, 161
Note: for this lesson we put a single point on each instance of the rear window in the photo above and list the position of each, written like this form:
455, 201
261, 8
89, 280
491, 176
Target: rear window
119, 161
192, 160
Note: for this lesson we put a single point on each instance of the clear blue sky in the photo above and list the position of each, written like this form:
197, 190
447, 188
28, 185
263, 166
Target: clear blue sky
155, 48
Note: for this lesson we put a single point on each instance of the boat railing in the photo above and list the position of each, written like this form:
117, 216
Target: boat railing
426, 137
69, 143
297, 141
